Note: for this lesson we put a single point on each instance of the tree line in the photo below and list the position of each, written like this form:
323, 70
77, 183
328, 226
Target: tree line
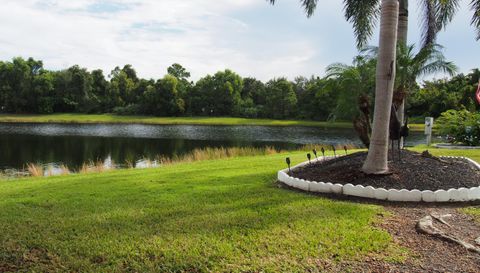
27, 87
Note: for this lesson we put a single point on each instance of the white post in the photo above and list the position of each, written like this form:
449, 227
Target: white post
428, 129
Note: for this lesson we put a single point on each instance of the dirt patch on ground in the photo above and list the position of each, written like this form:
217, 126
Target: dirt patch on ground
430, 254
426, 253
413, 171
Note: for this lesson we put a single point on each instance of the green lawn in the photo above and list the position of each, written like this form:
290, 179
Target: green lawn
110, 118
217, 215
473, 154
221, 215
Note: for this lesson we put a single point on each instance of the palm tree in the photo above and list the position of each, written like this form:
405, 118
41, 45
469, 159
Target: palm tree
377, 158
410, 65
376, 162
355, 84
363, 14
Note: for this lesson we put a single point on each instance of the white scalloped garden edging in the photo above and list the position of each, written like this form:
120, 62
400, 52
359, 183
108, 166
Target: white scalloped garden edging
403, 195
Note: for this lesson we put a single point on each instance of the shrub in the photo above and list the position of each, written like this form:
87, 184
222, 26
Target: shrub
460, 126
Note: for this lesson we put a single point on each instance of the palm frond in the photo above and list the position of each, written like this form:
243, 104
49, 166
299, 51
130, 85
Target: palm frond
336, 69
445, 10
475, 7
369, 52
429, 22
309, 5
436, 15
363, 14
438, 66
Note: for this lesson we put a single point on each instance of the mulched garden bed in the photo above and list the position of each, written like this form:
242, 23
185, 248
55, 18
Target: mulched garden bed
414, 171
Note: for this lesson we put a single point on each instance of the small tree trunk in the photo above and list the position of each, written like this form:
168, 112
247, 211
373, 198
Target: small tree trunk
376, 162
402, 34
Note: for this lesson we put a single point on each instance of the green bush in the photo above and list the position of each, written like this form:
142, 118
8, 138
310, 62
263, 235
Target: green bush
460, 126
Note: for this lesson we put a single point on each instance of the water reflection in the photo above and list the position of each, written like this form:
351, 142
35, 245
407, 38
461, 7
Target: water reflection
73, 145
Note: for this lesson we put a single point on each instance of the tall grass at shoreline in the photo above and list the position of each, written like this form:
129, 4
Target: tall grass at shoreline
216, 153
35, 169
97, 166
200, 154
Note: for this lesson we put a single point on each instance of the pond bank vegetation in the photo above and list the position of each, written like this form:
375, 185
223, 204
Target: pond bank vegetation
200, 154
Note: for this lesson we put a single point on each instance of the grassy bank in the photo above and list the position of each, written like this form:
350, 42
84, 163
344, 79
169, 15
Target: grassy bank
213, 215
110, 118
216, 215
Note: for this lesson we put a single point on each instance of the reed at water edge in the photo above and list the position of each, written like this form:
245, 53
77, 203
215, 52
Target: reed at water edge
195, 155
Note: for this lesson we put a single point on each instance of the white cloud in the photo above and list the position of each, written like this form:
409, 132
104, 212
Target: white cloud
205, 36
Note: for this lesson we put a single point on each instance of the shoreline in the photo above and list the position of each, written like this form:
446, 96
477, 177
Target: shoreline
151, 120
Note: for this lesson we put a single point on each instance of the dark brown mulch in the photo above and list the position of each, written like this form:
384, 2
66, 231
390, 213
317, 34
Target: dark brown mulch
413, 172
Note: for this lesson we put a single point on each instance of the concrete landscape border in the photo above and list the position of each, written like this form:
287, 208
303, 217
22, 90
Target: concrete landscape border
397, 195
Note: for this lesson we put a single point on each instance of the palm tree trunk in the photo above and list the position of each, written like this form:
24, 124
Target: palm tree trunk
402, 31
376, 162
402, 34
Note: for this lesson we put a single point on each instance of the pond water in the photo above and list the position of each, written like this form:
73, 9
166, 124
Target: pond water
75, 144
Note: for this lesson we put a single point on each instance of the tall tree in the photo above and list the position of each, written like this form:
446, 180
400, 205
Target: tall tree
253, 98
73, 88
377, 158
122, 84
376, 162
436, 14
281, 99
182, 75
162, 99
217, 95
43, 93
178, 71
363, 14
99, 91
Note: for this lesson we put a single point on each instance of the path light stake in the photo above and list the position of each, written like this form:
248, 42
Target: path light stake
288, 163
309, 157
334, 151
315, 153
323, 153
345, 148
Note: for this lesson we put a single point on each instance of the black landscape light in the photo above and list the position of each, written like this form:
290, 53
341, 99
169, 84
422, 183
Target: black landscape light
309, 156
288, 163
334, 151
346, 150
315, 153
323, 153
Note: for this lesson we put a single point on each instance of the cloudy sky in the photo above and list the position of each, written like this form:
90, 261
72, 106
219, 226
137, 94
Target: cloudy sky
248, 36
